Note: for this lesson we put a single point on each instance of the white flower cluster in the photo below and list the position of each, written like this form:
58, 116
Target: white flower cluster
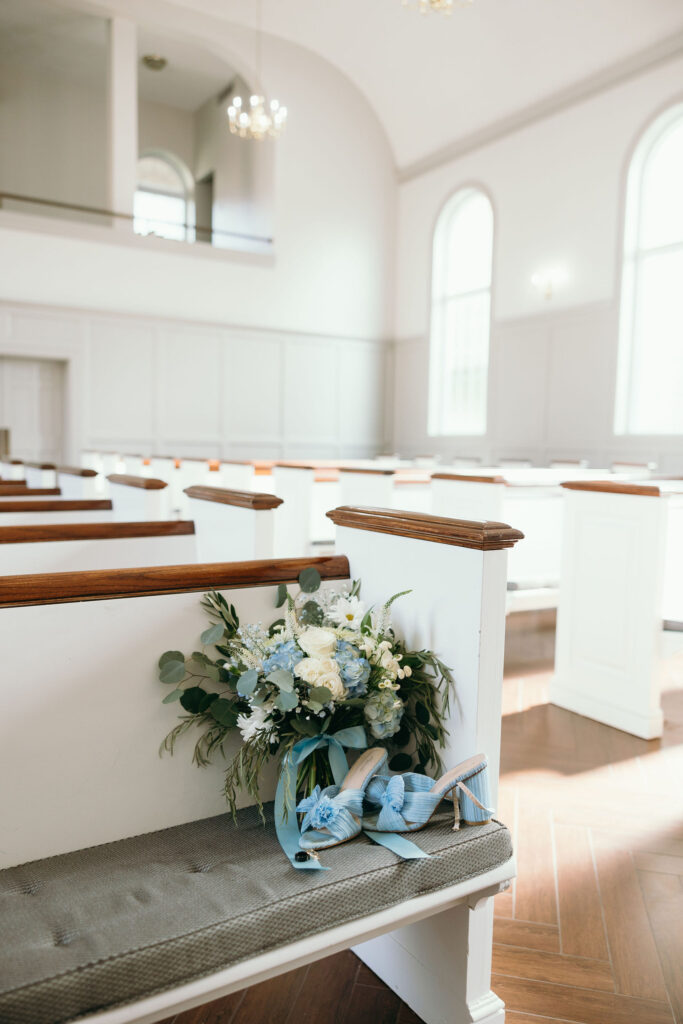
320, 668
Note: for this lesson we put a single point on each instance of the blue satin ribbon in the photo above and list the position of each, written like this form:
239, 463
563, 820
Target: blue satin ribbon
286, 824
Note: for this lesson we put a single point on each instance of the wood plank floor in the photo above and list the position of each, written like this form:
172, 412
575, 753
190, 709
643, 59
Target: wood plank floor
591, 932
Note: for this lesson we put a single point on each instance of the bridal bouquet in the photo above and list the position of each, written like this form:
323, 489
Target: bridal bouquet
329, 667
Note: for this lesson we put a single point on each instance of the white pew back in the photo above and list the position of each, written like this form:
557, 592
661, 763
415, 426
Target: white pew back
78, 483
611, 607
233, 525
12, 469
41, 474
73, 547
373, 487
139, 497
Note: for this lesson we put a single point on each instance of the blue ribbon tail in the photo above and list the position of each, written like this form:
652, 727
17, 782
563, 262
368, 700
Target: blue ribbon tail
402, 847
287, 829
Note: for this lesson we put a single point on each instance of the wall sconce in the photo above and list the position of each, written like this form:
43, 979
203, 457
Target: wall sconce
548, 280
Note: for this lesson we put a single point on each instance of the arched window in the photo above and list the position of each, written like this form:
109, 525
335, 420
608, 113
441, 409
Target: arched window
461, 315
163, 196
650, 371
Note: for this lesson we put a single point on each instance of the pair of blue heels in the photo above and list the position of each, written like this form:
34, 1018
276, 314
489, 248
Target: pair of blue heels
368, 799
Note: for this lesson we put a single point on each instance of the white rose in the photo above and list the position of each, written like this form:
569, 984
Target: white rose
321, 672
317, 642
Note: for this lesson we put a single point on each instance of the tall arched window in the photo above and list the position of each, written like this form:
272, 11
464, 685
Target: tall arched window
650, 372
461, 315
163, 198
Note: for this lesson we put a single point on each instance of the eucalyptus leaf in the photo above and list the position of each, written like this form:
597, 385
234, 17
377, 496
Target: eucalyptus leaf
213, 633
312, 614
283, 679
281, 595
422, 713
206, 701
171, 656
213, 673
172, 672
303, 726
224, 712
172, 696
400, 762
274, 626
314, 705
247, 682
309, 580
320, 694
286, 701
192, 698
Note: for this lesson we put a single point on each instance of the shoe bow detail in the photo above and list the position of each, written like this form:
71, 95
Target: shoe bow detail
332, 809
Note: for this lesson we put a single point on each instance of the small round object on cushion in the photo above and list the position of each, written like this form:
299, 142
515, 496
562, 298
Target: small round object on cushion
300, 856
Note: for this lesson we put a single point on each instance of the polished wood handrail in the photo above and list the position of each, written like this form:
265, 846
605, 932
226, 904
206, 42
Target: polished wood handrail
41, 465
241, 499
96, 505
301, 465
613, 487
470, 478
94, 531
98, 585
76, 471
456, 532
103, 212
13, 483
29, 492
146, 483
369, 469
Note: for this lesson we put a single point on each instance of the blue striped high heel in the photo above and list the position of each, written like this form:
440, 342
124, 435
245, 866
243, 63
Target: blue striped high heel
333, 815
407, 802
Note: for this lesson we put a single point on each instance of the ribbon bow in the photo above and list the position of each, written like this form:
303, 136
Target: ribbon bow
332, 809
392, 800
286, 824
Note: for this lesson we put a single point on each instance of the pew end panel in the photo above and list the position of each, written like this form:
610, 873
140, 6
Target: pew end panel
293, 531
139, 497
233, 524
456, 572
13, 469
41, 474
77, 482
610, 608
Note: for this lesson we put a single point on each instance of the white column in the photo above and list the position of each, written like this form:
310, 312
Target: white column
122, 116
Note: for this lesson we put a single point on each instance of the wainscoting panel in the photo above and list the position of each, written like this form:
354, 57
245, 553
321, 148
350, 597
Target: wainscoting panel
161, 386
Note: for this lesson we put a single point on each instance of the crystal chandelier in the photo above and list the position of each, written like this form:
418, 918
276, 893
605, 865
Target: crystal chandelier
442, 6
258, 120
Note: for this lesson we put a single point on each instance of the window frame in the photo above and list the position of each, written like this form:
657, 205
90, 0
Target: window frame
630, 258
435, 417
186, 179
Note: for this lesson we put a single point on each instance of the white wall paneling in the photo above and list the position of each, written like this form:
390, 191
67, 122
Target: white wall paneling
156, 386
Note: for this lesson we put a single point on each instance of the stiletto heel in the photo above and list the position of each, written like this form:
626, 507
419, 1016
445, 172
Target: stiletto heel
406, 803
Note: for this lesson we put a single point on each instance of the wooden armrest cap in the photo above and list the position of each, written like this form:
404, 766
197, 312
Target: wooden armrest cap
241, 499
456, 532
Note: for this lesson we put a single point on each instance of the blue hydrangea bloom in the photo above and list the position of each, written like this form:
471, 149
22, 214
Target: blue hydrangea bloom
285, 656
354, 669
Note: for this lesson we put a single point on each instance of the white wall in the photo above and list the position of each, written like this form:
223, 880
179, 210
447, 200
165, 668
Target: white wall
161, 126
163, 386
558, 189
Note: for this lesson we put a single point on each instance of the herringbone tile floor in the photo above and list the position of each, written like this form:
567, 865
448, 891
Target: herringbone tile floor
592, 930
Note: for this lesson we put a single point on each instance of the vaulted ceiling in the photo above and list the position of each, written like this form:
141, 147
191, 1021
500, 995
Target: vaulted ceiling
434, 80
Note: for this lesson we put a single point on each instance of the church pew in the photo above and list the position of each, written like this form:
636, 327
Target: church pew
139, 497
22, 511
41, 474
432, 947
534, 567
366, 486
79, 482
621, 582
12, 469
309, 490
232, 524
69, 547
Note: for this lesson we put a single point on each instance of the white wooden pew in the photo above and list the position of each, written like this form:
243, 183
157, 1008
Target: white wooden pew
41, 474
233, 525
534, 567
12, 469
432, 947
79, 482
139, 497
37, 512
366, 486
309, 491
621, 580
72, 547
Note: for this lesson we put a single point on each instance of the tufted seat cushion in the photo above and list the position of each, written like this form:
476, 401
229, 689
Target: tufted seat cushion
90, 930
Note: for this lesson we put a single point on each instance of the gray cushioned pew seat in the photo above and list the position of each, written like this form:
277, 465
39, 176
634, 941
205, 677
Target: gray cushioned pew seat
90, 930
